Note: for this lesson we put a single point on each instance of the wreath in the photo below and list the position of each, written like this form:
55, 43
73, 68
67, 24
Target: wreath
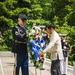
35, 46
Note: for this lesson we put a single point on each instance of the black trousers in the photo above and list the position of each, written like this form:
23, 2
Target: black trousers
21, 61
55, 67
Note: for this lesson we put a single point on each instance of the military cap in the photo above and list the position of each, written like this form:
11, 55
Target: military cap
22, 16
62, 35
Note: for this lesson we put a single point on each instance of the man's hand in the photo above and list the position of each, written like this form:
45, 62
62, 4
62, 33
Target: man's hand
40, 53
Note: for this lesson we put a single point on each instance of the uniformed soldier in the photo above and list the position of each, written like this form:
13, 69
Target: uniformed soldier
65, 48
19, 33
73, 52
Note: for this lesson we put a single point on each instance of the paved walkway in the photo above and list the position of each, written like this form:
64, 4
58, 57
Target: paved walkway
46, 71
7, 61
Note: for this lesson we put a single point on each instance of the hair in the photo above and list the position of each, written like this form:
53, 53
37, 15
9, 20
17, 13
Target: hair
50, 26
23, 20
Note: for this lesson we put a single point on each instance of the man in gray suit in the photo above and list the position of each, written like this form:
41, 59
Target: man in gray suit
55, 49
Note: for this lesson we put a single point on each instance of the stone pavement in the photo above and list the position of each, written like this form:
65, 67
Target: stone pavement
7, 61
46, 71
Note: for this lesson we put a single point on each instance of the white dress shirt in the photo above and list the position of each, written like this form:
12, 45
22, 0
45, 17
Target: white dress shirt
54, 47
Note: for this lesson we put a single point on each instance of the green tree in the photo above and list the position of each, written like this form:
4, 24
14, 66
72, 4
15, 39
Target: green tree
9, 10
43, 12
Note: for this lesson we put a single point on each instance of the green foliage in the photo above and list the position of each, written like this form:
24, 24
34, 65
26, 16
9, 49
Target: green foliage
48, 55
41, 12
70, 58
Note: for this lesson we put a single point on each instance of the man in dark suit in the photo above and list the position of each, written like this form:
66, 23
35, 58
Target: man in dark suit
19, 33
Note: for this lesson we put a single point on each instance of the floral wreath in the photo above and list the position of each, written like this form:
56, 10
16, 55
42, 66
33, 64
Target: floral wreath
35, 45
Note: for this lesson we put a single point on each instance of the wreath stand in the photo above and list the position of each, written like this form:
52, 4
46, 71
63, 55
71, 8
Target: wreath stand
36, 71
